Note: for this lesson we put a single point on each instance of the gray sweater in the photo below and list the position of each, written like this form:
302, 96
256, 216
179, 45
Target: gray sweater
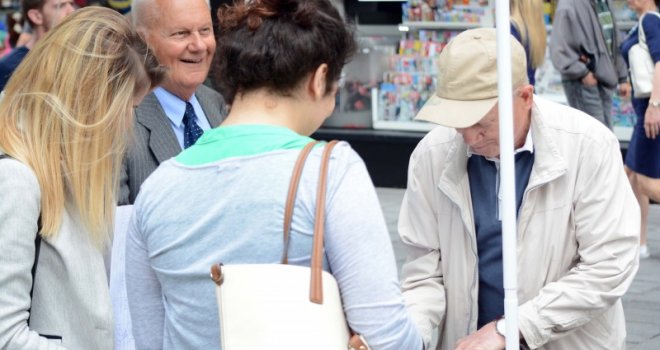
189, 217
576, 31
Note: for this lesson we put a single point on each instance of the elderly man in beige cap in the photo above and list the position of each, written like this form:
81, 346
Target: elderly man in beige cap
578, 221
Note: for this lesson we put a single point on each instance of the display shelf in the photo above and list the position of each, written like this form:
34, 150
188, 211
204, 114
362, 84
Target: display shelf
379, 122
410, 77
407, 26
403, 125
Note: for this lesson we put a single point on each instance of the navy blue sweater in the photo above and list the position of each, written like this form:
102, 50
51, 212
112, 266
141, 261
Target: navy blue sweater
488, 227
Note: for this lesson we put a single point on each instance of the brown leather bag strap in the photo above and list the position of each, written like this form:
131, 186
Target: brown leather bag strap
316, 287
356, 342
291, 197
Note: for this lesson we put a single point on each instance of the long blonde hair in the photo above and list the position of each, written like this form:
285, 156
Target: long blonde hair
67, 113
527, 16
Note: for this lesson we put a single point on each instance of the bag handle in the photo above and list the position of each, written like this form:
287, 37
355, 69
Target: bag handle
316, 264
316, 287
640, 29
356, 341
640, 32
291, 196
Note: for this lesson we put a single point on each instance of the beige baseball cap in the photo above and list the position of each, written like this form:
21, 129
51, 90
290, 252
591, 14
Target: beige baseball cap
467, 78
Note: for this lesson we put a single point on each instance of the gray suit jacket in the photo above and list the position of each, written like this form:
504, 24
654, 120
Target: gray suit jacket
155, 141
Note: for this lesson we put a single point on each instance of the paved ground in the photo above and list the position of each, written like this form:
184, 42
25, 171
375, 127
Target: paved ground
641, 303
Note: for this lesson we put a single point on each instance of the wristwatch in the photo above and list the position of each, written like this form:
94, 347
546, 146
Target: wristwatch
654, 104
500, 326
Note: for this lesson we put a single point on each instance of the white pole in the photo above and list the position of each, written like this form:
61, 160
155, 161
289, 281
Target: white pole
507, 173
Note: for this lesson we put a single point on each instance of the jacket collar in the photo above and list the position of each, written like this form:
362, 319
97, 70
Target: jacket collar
549, 164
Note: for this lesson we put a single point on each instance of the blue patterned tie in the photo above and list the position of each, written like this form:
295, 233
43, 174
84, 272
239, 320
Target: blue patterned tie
191, 131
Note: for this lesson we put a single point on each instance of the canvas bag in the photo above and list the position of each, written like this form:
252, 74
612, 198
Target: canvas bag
281, 306
641, 64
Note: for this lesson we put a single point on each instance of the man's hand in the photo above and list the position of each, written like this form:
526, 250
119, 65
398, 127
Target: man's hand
624, 89
589, 80
485, 338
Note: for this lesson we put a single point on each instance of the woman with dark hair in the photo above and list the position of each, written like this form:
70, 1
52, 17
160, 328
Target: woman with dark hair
643, 155
279, 63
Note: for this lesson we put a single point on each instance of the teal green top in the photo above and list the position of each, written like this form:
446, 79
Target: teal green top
239, 141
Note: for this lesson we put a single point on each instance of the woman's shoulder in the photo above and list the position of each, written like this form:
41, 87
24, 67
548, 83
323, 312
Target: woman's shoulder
342, 153
651, 21
15, 174
343, 159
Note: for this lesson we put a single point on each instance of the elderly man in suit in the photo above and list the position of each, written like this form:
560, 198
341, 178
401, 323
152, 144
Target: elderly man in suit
174, 115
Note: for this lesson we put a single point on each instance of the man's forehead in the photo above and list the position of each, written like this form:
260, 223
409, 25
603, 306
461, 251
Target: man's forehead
167, 12
57, 2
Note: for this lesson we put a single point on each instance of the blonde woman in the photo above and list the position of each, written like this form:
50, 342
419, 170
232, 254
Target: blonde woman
63, 124
528, 27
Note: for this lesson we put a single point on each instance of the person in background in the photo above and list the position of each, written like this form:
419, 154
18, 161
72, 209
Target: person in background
5, 47
643, 154
42, 16
280, 67
528, 27
174, 115
64, 122
577, 217
584, 48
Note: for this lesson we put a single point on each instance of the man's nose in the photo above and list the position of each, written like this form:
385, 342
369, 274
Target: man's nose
197, 43
470, 135
70, 7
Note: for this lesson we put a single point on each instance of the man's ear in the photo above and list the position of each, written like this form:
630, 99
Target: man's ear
317, 82
36, 16
526, 92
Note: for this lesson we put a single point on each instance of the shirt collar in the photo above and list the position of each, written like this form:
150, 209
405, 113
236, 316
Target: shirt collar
173, 106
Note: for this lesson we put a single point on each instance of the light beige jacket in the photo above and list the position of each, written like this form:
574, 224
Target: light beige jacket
578, 236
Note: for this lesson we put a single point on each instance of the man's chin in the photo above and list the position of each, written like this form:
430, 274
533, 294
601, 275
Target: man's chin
181, 88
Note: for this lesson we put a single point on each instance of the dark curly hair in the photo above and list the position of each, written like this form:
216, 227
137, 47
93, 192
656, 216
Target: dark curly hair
276, 43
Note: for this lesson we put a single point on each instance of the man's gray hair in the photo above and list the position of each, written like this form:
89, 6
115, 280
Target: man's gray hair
142, 12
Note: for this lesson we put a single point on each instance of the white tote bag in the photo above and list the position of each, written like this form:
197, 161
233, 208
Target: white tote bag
281, 306
641, 64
